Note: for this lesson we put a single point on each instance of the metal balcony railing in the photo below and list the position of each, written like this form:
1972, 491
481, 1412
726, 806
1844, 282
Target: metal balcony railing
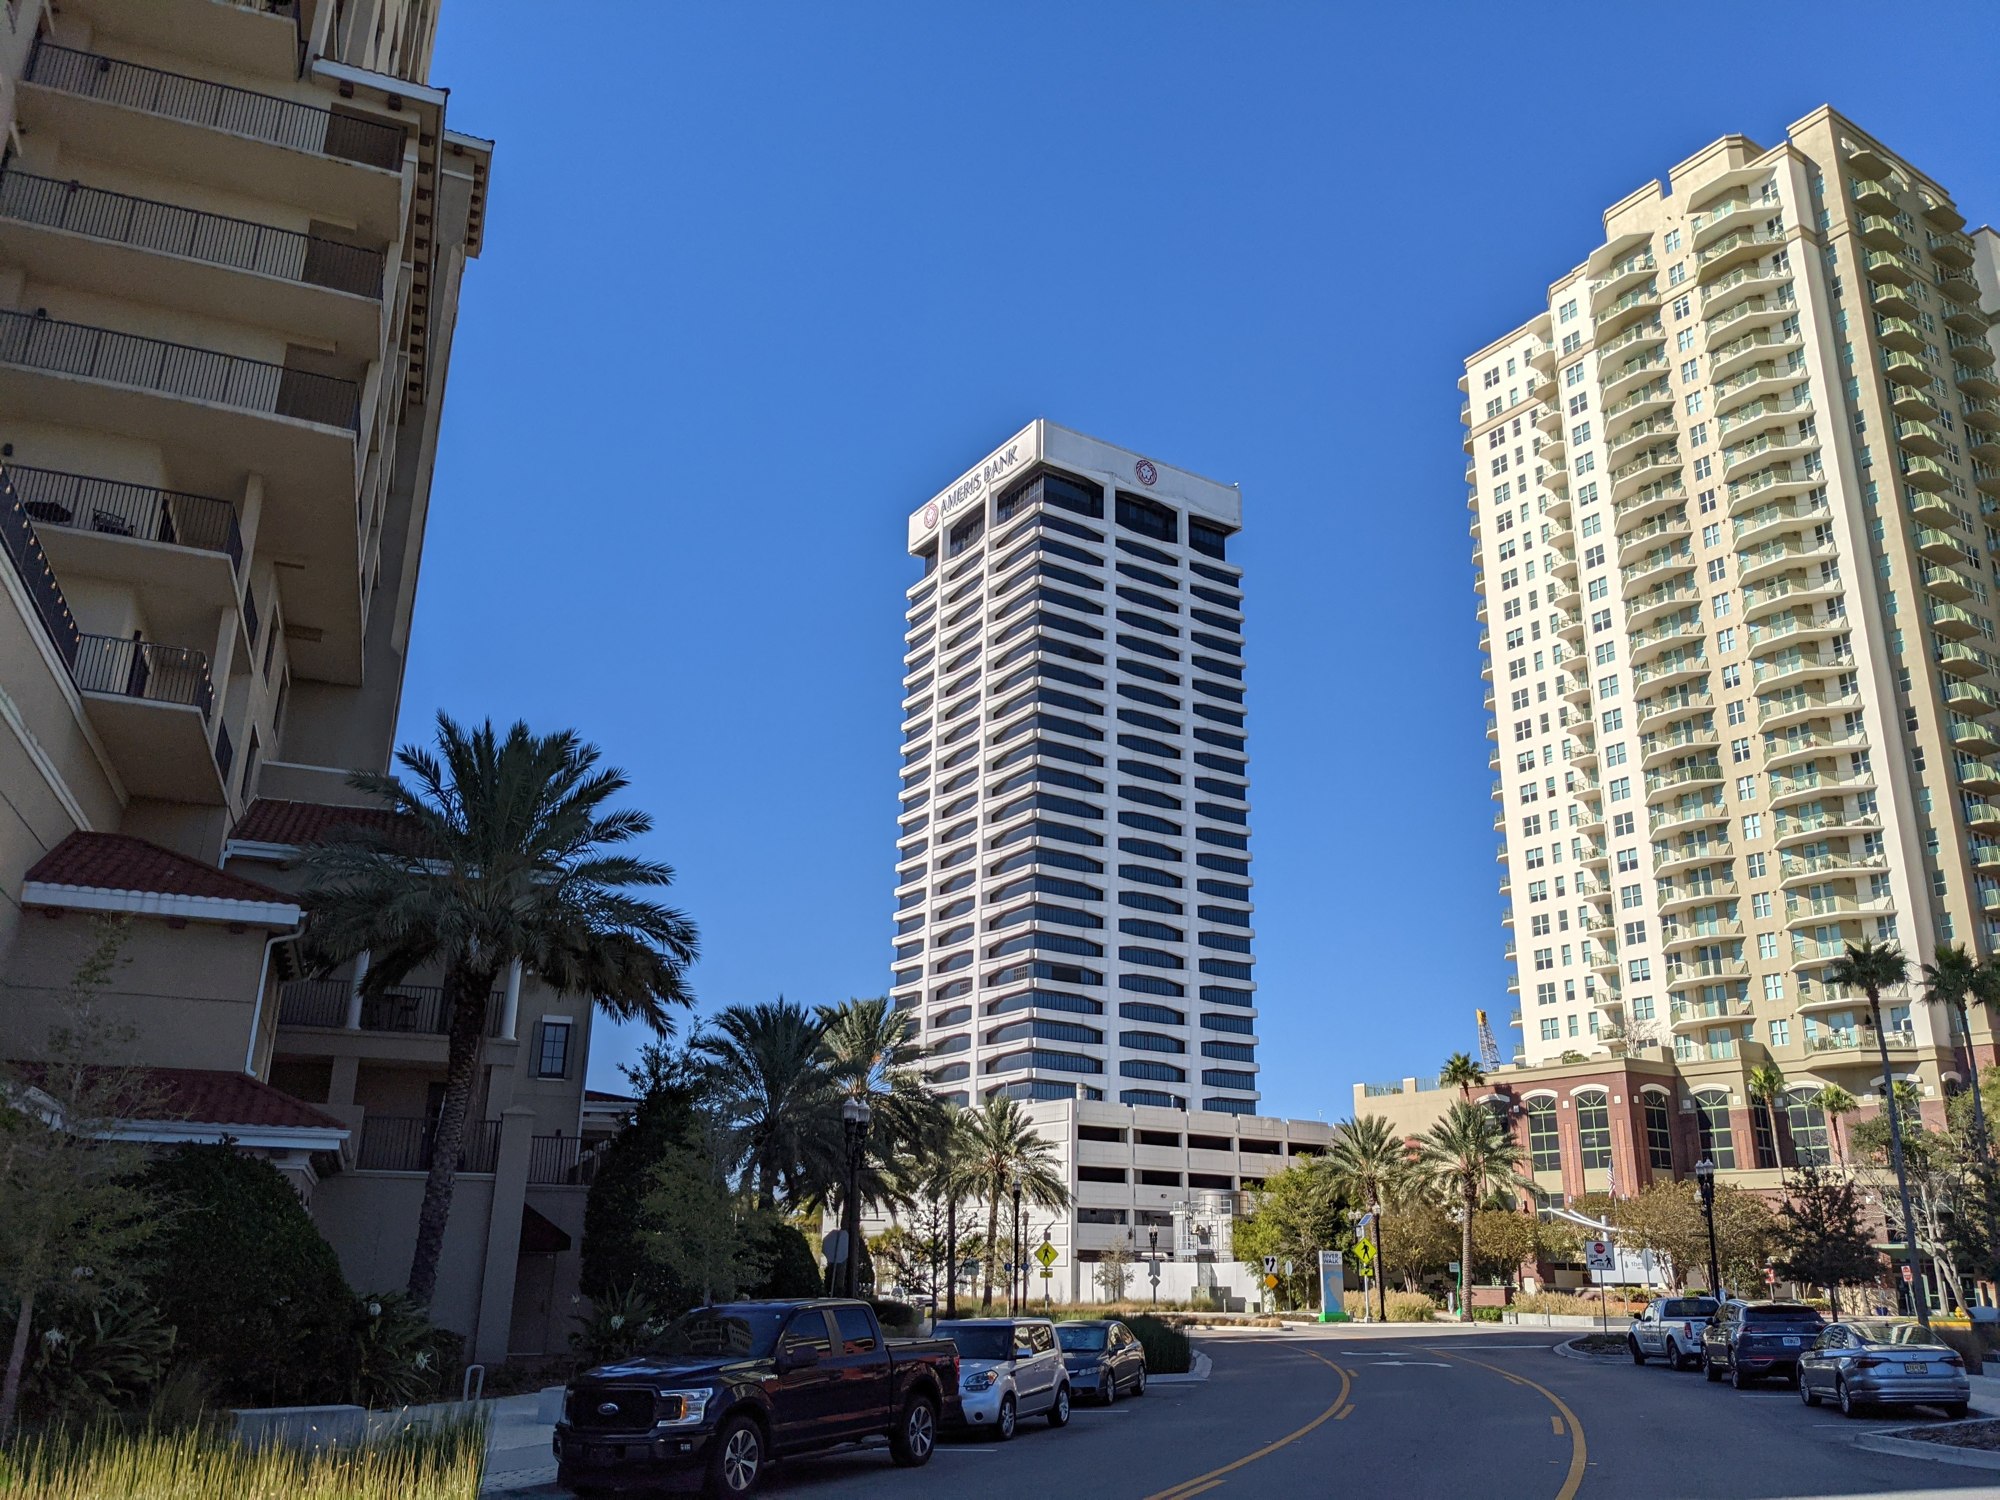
196, 101
178, 370
80, 502
563, 1161
314, 1002
391, 1144
143, 669
172, 230
31, 566
418, 1009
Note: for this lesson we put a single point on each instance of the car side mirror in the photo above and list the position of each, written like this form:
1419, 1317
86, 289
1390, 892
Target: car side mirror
1024, 1351
801, 1357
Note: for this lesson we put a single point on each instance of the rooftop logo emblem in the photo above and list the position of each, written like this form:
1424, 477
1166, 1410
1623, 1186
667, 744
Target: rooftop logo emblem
1148, 475
973, 486
931, 516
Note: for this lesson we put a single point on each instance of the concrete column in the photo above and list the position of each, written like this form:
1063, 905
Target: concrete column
345, 1079
503, 1237
249, 518
354, 993
510, 1009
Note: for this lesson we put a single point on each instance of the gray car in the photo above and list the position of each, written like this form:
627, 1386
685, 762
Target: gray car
1881, 1362
1105, 1359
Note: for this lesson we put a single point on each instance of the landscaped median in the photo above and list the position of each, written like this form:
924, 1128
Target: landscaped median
1972, 1445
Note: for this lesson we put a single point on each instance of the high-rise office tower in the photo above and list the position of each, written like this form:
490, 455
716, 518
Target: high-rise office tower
1735, 495
1073, 866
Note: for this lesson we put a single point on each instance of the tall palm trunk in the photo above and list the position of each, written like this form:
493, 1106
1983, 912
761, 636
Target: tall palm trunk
1979, 1136
17, 1359
1777, 1145
1465, 1259
992, 1247
1913, 1257
465, 1003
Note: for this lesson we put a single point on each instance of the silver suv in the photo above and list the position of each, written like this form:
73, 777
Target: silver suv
1009, 1369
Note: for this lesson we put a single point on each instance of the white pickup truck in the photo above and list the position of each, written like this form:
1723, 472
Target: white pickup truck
1670, 1328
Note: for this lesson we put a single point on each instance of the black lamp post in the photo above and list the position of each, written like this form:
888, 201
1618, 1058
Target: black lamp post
950, 1256
1704, 1177
1015, 1262
854, 1115
1153, 1261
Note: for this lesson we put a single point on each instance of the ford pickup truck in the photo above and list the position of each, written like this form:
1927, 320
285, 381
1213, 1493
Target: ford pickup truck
725, 1390
1671, 1328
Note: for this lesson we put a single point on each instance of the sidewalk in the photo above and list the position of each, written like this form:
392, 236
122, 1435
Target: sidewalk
517, 1445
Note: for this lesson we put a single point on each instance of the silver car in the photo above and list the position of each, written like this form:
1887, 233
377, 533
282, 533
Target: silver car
1009, 1369
1881, 1362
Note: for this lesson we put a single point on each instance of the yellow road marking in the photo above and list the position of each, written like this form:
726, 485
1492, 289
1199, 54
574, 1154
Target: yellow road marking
1579, 1450
1556, 1425
1203, 1482
1344, 1413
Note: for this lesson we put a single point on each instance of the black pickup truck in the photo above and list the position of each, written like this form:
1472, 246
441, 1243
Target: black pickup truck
724, 1390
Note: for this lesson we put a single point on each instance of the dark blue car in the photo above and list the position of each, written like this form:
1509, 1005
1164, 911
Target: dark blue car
1105, 1359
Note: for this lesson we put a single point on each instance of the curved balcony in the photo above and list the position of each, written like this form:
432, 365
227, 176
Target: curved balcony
1982, 414
1678, 937
1669, 821
1942, 546
1974, 737
1766, 378
1894, 299
1620, 381
1806, 785
1969, 697
1951, 621
1758, 279
1733, 250
1779, 447
1807, 912
1741, 353
1642, 609
1660, 712
1743, 316
1652, 397
1570, 626
1879, 232
1978, 381
1708, 971
1987, 476
1809, 744
1664, 785
1563, 564
1920, 471
1673, 898
1688, 1016
1552, 450
1763, 412
1637, 543
1914, 403
1653, 499
1771, 483
1647, 333
1558, 500
1905, 368
1946, 583
1921, 437
1774, 557
1763, 522
1980, 778
1542, 357
1692, 852
1965, 317
1796, 707
1656, 749
1887, 265
1900, 333
1618, 449
1792, 830
1604, 959
1803, 869
1654, 464
1646, 644
1675, 668
1576, 690
1790, 589
1874, 196
1621, 279
1986, 853
1548, 421
1970, 351
1952, 249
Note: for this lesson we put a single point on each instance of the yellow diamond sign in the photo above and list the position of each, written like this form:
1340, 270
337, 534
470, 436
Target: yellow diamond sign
1046, 1254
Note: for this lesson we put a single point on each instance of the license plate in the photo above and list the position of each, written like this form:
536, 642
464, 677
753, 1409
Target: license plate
602, 1455
1916, 1369
1791, 1343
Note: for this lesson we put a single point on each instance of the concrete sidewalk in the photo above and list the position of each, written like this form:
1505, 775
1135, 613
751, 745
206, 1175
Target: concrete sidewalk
518, 1456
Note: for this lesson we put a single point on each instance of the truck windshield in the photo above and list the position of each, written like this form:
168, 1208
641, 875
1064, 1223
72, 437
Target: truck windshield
980, 1340
725, 1332
1688, 1307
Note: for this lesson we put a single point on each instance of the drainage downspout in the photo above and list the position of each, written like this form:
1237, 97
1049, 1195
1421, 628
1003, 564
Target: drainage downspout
263, 975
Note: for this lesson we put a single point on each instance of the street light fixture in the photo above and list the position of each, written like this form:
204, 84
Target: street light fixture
1704, 1177
854, 1117
1153, 1260
1019, 1260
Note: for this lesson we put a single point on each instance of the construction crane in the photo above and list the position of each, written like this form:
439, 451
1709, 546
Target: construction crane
1489, 1050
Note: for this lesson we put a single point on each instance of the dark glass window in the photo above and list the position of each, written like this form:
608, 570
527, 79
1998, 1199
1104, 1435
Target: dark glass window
1593, 1129
1544, 1141
1807, 1125
1146, 518
1206, 538
1659, 1133
1711, 1114
552, 1055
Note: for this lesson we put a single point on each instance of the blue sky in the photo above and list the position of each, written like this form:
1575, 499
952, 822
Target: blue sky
759, 279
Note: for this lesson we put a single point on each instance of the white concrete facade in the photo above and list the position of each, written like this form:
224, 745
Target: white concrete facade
1073, 868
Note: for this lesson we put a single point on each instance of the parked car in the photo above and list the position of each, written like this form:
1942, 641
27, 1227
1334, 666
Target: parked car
727, 1389
1009, 1369
1104, 1358
1671, 1328
1750, 1340
1882, 1362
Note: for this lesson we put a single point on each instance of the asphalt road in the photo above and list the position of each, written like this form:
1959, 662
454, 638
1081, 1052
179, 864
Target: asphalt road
1482, 1416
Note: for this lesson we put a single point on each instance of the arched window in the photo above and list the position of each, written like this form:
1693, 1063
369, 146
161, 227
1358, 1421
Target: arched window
1807, 1124
1544, 1142
1711, 1113
1659, 1132
1593, 1128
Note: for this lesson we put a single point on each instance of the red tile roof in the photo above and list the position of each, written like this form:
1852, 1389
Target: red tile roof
119, 862
270, 821
203, 1096
598, 1096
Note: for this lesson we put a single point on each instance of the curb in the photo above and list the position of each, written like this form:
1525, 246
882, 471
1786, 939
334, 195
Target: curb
1568, 1349
1937, 1453
1202, 1366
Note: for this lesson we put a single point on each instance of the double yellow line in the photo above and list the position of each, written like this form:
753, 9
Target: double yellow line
1208, 1481
1579, 1450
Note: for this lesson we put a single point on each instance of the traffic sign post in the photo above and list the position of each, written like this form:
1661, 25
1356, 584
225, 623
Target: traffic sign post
1602, 1256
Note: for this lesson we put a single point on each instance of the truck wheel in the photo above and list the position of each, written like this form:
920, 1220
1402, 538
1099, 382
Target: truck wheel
1003, 1428
738, 1460
1059, 1408
1638, 1354
916, 1434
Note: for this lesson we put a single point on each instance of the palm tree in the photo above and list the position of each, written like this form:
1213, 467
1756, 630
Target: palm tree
768, 1064
1468, 1154
1986, 994
1370, 1161
1462, 1073
1834, 1101
1953, 981
1871, 970
497, 852
1766, 1084
1003, 1149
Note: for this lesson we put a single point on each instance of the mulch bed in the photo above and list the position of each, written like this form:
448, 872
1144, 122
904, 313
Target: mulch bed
1981, 1435
1602, 1345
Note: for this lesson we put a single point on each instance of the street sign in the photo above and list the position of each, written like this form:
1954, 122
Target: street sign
1331, 1285
1364, 1257
1288, 1268
1599, 1256
834, 1247
1270, 1281
1908, 1274
1270, 1265
1046, 1254
1770, 1276
1453, 1268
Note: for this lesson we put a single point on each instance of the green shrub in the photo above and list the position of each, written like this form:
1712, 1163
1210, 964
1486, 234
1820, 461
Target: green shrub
1486, 1314
401, 1357
617, 1326
793, 1269
897, 1318
1404, 1307
244, 1276
96, 1357
1168, 1351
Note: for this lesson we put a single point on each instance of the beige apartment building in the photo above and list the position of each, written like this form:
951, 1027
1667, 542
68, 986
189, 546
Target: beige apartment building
1735, 500
232, 237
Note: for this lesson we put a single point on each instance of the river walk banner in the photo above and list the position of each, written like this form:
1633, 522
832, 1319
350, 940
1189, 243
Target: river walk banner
1332, 1282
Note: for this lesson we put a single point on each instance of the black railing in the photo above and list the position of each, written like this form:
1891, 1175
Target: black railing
389, 1144
563, 1160
419, 1010
31, 564
80, 502
314, 1002
178, 370
143, 669
263, 117
166, 227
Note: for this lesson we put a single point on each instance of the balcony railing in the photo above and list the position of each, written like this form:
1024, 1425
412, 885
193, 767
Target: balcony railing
172, 230
314, 1002
563, 1160
80, 502
196, 101
391, 1144
178, 370
419, 1010
31, 566
143, 669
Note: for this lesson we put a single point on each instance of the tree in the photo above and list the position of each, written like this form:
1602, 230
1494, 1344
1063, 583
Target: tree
1372, 1162
1833, 1102
73, 1222
1419, 1239
1666, 1218
767, 1065
1933, 1165
701, 1231
1503, 1239
1467, 1154
1462, 1073
1820, 1239
1975, 1230
1113, 1272
1953, 981
614, 1258
1766, 1085
498, 851
1002, 1149
1872, 969
1299, 1212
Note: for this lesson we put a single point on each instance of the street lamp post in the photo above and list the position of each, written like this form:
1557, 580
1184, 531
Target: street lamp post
854, 1114
1153, 1261
1704, 1176
1014, 1277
